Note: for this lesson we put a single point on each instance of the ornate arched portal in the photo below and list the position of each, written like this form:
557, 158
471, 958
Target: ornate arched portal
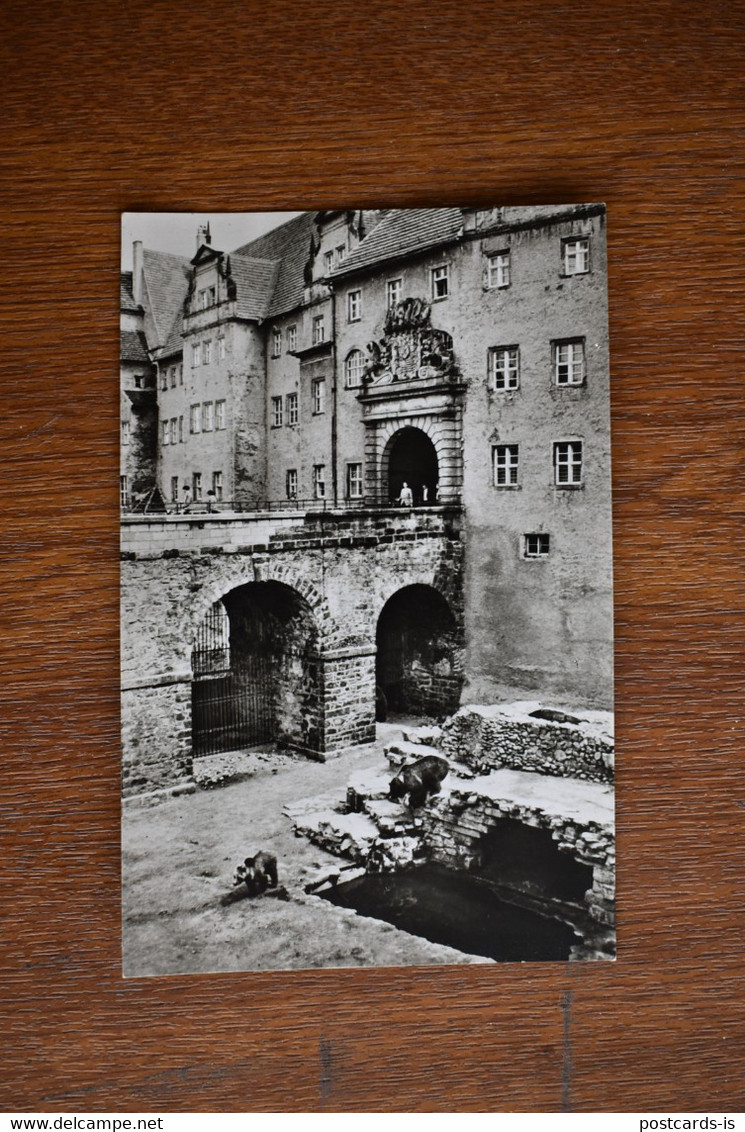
410, 458
254, 671
419, 655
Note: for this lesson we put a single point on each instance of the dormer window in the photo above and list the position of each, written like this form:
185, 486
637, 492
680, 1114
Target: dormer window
341, 252
329, 261
207, 297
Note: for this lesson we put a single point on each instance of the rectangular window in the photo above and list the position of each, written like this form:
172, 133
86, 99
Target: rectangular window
124, 491
219, 414
165, 433
125, 432
276, 412
499, 269
319, 481
440, 281
221, 349
174, 489
393, 292
196, 355
576, 255
181, 430
535, 546
174, 430
181, 373
504, 367
164, 379
319, 330
291, 483
207, 297
195, 419
329, 261
319, 395
568, 463
505, 462
341, 252
196, 481
354, 481
276, 343
206, 352
292, 409
569, 362
291, 338
172, 374
208, 416
217, 485
354, 306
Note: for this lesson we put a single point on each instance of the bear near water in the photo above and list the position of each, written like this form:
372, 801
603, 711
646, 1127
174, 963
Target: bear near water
419, 780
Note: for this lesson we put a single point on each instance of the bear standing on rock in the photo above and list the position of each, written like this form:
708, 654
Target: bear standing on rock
419, 779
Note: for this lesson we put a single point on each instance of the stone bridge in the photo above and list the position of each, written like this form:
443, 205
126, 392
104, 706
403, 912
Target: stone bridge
241, 628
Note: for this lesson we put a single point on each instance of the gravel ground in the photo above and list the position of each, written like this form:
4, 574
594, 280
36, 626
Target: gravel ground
178, 862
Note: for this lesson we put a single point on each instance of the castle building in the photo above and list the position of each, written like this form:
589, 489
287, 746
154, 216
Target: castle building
403, 374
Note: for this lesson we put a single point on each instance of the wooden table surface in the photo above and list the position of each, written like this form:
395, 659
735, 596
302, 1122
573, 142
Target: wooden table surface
242, 106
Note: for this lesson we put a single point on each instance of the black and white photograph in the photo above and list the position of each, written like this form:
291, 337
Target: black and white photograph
366, 589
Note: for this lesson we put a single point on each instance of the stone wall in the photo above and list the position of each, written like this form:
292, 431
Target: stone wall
486, 738
156, 736
342, 567
456, 827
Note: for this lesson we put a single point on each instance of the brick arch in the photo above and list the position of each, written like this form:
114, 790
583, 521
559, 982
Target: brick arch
419, 650
402, 583
267, 571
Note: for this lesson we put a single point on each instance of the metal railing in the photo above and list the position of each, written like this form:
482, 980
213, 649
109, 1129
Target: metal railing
227, 508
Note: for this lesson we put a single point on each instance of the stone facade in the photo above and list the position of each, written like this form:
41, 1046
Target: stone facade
300, 381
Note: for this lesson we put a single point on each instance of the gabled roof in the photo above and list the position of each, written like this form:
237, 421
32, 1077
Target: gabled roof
290, 244
134, 346
402, 232
254, 280
127, 299
167, 282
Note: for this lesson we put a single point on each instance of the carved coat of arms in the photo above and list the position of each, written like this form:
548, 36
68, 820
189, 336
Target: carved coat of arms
410, 347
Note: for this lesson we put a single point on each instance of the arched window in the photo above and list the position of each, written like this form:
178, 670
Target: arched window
354, 366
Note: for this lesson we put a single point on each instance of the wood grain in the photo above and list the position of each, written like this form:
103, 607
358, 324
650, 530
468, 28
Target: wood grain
243, 106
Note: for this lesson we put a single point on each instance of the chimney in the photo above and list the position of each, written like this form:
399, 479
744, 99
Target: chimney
137, 272
203, 235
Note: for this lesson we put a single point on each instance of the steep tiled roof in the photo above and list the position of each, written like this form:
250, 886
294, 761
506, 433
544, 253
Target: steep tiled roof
134, 346
403, 232
255, 280
290, 244
167, 280
127, 299
174, 343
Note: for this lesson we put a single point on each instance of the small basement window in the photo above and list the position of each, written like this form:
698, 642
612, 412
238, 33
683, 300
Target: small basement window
535, 546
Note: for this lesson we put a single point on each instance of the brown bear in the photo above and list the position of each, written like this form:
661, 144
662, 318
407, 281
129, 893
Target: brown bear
258, 873
419, 779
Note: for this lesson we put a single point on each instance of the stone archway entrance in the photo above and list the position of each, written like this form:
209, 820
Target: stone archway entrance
411, 458
418, 662
255, 672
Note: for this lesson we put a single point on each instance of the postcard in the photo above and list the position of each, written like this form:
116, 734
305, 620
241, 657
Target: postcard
366, 586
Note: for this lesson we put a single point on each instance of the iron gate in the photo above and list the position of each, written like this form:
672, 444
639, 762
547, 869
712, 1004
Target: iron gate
232, 697
233, 711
